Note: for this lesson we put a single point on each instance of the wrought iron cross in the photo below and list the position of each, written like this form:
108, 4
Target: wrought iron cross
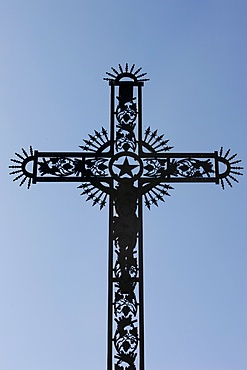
126, 166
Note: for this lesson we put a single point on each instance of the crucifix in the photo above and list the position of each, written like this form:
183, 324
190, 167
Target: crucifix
130, 168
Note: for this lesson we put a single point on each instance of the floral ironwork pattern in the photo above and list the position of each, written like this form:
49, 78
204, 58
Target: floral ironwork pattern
65, 166
188, 167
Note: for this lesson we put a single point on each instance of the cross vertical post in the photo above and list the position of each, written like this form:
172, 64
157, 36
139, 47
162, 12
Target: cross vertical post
130, 168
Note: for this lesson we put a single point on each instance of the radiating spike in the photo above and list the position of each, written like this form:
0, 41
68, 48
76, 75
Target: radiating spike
121, 69
221, 151
233, 156
92, 137
18, 155
31, 150
114, 70
104, 132
24, 152
18, 177
14, 172
222, 184
237, 173
15, 166
141, 75
93, 145
29, 183
110, 74
16, 161
228, 182
23, 181
147, 132
90, 196
137, 71
236, 168
228, 151
126, 67
235, 162
98, 136
132, 68
233, 178
147, 203
103, 202
84, 147
98, 140
158, 195
153, 198
152, 135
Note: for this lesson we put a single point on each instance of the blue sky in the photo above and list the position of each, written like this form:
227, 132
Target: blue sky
53, 256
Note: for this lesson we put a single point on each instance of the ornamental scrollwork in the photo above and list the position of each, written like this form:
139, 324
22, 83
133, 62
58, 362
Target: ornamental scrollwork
187, 167
65, 166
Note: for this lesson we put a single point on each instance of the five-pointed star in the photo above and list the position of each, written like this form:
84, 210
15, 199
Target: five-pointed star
126, 168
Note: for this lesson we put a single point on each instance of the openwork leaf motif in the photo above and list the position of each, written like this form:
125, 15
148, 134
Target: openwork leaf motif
193, 168
126, 114
62, 166
189, 167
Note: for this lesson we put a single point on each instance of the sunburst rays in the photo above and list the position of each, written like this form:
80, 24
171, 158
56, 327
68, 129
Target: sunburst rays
155, 142
98, 142
19, 167
136, 75
97, 196
233, 170
156, 194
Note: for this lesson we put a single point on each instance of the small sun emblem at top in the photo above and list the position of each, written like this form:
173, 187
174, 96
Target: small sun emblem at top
126, 72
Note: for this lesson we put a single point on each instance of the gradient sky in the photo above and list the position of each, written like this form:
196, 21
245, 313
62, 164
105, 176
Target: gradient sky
53, 255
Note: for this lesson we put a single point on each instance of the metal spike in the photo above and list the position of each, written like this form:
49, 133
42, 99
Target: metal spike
121, 69
137, 71
104, 132
18, 177
233, 156
114, 70
132, 68
15, 166
22, 182
228, 182
147, 203
29, 183
228, 151
141, 75
153, 198
24, 152
235, 162
18, 155
14, 172
233, 178
110, 74
103, 202
237, 173
98, 136
147, 132
16, 161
